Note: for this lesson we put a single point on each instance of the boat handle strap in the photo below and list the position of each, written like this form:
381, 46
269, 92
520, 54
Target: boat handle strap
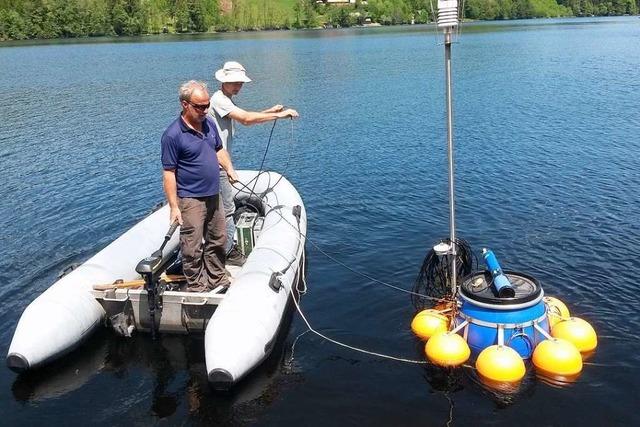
198, 303
126, 298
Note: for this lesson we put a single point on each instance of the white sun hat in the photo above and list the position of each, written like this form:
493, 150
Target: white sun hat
232, 72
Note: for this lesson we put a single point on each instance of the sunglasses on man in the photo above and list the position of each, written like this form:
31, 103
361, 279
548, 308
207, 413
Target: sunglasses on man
199, 107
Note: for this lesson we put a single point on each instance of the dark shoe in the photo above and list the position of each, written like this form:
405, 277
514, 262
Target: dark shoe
235, 257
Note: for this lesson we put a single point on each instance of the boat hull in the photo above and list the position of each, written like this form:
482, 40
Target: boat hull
243, 330
67, 313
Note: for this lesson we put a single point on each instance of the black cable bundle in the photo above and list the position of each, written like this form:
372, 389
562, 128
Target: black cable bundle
434, 279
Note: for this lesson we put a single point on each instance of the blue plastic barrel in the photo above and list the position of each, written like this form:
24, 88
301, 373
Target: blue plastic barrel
487, 314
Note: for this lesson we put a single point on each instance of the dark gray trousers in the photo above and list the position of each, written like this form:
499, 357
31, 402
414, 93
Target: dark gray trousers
203, 263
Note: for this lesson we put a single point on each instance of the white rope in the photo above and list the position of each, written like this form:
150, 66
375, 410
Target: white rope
301, 235
293, 347
359, 273
373, 279
350, 347
301, 288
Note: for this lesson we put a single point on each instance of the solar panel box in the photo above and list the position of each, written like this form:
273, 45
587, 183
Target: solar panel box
245, 232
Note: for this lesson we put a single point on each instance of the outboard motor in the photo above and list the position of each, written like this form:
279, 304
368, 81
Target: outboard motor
151, 268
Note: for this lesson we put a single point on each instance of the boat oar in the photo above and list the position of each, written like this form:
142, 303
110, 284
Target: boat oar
120, 284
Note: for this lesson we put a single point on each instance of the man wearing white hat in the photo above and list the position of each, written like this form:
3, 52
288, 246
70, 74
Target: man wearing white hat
224, 112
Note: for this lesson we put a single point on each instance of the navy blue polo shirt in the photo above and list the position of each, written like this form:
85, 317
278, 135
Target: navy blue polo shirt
193, 156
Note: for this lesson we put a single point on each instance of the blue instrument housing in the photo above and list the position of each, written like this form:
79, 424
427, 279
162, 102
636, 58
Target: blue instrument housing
501, 283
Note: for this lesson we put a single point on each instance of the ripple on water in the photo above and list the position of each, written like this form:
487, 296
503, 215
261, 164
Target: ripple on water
546, 156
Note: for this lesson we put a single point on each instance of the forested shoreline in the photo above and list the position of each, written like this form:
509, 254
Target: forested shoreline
48, 19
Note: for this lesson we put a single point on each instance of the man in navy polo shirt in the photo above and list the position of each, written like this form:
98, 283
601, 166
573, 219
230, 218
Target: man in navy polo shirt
192, 155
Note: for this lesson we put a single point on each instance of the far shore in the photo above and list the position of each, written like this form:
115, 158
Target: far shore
172, 35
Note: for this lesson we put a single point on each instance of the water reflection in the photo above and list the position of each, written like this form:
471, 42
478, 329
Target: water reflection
503, 394
452, 380
173, 368
63, 376
555, 380
447, 380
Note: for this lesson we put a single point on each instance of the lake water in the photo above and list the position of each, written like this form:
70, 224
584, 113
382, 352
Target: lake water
547, 120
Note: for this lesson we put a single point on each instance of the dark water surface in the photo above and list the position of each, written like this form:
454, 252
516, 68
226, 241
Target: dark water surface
547, 151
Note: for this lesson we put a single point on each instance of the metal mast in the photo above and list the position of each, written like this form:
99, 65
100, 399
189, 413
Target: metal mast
448, 20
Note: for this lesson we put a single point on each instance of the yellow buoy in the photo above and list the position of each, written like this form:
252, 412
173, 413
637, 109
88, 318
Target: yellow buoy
556, 309
447, 349
500, 363
557, 357
428, 323
578, 332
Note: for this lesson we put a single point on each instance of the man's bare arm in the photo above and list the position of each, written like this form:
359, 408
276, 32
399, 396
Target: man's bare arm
225, 162
249, 118
171, 191
275, 109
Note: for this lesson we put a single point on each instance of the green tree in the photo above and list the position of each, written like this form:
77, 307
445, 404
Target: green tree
306, 16
20, 19
43, 22
339, 17
389, 12
158, 14
127, 17
211, 10
181, 14
67, 18
520, 9
196, 16
12, 25
118, 17
93, 16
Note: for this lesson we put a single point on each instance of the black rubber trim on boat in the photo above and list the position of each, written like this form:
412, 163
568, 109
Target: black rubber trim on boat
274, 281
221, 379
17, 362
269, 346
